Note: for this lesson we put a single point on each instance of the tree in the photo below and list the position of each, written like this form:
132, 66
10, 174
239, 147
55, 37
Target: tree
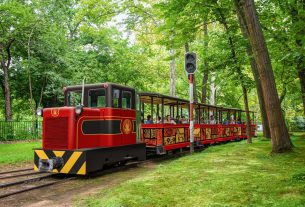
281, 33
245, 32
172, 71
294, 10
15, 22
206, 66
237, 69
279, 133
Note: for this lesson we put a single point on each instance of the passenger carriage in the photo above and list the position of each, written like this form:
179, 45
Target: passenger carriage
163, 137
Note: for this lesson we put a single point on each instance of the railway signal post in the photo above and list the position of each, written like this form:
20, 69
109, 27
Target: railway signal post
190, 68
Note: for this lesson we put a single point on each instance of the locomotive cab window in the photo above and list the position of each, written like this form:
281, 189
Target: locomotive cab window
116, 93
74, 98
138, 102
97, 98
126, 99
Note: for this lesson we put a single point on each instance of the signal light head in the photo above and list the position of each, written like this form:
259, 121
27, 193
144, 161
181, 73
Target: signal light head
190, 57
190, 62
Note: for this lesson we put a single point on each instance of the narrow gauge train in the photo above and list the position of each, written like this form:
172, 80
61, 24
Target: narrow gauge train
107, 128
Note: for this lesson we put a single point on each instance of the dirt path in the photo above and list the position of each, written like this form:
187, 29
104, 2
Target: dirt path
65, 194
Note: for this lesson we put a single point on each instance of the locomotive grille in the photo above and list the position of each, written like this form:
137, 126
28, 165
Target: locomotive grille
56, 133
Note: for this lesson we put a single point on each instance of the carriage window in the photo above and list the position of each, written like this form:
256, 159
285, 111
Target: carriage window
115, 98
126, 99
97, 98
74, 98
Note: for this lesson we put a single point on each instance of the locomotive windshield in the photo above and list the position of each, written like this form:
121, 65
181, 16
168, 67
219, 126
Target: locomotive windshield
97, 98
126, 99
101, 96
74, 98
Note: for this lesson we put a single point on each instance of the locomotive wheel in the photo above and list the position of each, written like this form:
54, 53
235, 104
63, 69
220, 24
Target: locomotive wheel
122, 163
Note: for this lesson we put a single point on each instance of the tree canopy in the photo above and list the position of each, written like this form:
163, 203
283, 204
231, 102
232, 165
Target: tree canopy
46, 45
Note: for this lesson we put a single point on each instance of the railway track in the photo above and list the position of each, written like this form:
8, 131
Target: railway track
15, 171
27, 181
29, 184
35, 180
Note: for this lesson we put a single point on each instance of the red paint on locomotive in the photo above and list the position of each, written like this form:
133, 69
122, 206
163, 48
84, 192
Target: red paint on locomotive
94, 127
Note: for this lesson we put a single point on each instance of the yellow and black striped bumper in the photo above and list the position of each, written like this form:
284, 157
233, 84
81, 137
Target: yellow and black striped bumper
74, 162
85, 161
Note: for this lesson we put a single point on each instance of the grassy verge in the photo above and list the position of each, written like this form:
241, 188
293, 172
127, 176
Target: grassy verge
235, 174
11, 153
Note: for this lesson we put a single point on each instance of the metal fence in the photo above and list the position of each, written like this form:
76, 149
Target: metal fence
20, 130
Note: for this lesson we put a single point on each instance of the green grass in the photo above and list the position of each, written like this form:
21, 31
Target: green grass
16, 152
235, 174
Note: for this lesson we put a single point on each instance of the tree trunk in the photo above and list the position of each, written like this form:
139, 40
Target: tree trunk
259, 89
172, 68
32, 105
2, 86
33, 108
248, 117
245, 32
5, 65
206, 68
239, 73
186, 47
279, 133
7, 95
213, 88
265, 123
204, 87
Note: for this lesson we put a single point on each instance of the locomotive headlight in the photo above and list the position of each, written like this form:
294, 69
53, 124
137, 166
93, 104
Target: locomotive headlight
78, 109
39, 111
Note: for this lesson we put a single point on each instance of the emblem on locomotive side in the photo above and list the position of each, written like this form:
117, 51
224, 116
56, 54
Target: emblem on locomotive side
126, 126
55, 112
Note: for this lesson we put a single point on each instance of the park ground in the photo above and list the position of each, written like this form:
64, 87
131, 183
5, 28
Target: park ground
16, 154
233, 174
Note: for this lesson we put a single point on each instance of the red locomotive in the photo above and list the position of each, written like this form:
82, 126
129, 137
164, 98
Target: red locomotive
79, 139
100, 124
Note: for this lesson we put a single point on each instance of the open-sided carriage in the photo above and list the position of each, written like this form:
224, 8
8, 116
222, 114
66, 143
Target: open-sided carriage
213, 124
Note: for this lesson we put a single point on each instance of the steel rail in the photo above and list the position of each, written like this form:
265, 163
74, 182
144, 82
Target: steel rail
14, 171
19, 175
35, 187
23, 181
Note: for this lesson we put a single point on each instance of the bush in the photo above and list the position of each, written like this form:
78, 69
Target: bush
298, 124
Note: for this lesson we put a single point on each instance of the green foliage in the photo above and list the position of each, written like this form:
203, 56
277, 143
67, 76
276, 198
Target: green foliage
58, 43
282, 32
